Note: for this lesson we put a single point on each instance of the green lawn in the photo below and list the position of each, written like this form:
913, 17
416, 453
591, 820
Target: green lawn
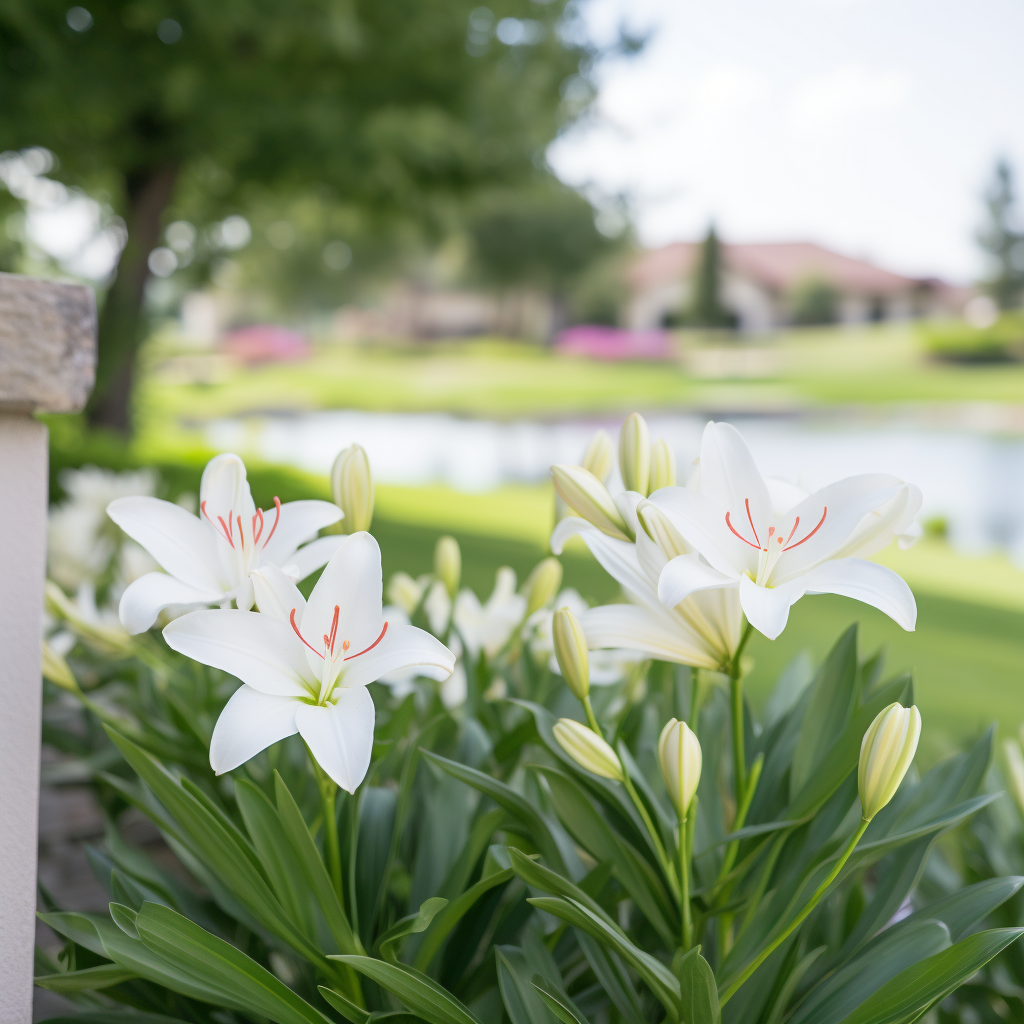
799, 369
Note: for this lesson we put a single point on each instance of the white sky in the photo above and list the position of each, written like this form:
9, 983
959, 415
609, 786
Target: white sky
867, 125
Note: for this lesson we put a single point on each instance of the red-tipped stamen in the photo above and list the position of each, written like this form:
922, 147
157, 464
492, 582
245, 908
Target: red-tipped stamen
256, 536
277, 519
811, 534
291, 619
750, 519
346, 644
224, 527
728, 522
371, 647
241, 536
791, 532
334, 629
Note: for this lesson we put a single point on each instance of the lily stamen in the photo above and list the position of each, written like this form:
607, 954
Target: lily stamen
728, 522
371, 647
811, 534
277, 519
291, 619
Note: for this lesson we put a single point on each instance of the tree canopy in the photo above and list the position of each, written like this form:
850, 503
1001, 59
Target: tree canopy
189, 109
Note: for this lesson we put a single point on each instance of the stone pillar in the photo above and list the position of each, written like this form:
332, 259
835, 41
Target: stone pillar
47, 364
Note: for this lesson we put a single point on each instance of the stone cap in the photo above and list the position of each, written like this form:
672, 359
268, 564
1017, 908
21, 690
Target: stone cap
47, 344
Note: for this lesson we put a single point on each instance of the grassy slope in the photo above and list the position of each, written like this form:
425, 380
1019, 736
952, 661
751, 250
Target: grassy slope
501, 379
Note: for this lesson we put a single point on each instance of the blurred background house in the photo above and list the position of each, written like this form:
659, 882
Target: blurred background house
765, 286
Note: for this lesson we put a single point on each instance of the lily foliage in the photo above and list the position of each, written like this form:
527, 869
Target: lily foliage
377, 847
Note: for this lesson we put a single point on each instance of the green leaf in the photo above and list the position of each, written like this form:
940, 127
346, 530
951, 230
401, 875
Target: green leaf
586, 824
238, 980
781, 996
409, 926
962, 910
523, 1003
217, 843
313, 868
558, 1002
613, 978
277, 854
832, 699
698, 993
842, 992
377, 810
539, 877
345, 1006
450, 916
89, 980
504, 796
114, 1017
914, 990
79, 928
420, 994
660, 979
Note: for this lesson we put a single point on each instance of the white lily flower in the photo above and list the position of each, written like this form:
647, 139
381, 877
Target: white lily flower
702, 629
305, 665
777, 557
208, 559
487, 627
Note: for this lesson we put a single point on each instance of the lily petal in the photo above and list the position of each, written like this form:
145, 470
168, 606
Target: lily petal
259, 649
619, 559
340, 735
685, 575
568, 527
300, 521
149, 595
701, 521
767, 608
276, 595
250, 722
403, 647
183, 545
869, 583
729, 475
352, 583
314, 555
829, 517
626, 625
224, 487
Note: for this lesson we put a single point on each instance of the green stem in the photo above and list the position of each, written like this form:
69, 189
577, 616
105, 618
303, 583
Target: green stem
696, 692
332, 851
353, 847
684, 876
800, 918
739, 763
591, 718
666, 864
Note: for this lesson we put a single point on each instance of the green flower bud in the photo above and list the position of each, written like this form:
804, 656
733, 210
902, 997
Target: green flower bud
589, 498
1015, 772
404, 592
680, 756
660, 529
571, 652
635, 454
352, 486
542, 584
598, 456
56, 669
448, 564
587, 749
663, 465
886, 751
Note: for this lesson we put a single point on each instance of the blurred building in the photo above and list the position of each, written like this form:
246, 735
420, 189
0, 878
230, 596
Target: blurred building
771, 285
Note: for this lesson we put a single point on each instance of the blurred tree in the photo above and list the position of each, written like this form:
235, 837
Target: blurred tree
1003, 239
399, 106
814, 301
544, 237
706, 308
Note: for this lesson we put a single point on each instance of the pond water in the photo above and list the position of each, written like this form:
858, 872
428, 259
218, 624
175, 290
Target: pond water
971, 477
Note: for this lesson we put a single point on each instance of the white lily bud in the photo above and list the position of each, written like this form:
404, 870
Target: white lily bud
587, 749
1015, 772
352, 486
404, 592
661, 530
663, 465
448, 564
635, 454
681, 759
56, 669
886, 751
598, 456
589, 498
571, 652
542, 584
